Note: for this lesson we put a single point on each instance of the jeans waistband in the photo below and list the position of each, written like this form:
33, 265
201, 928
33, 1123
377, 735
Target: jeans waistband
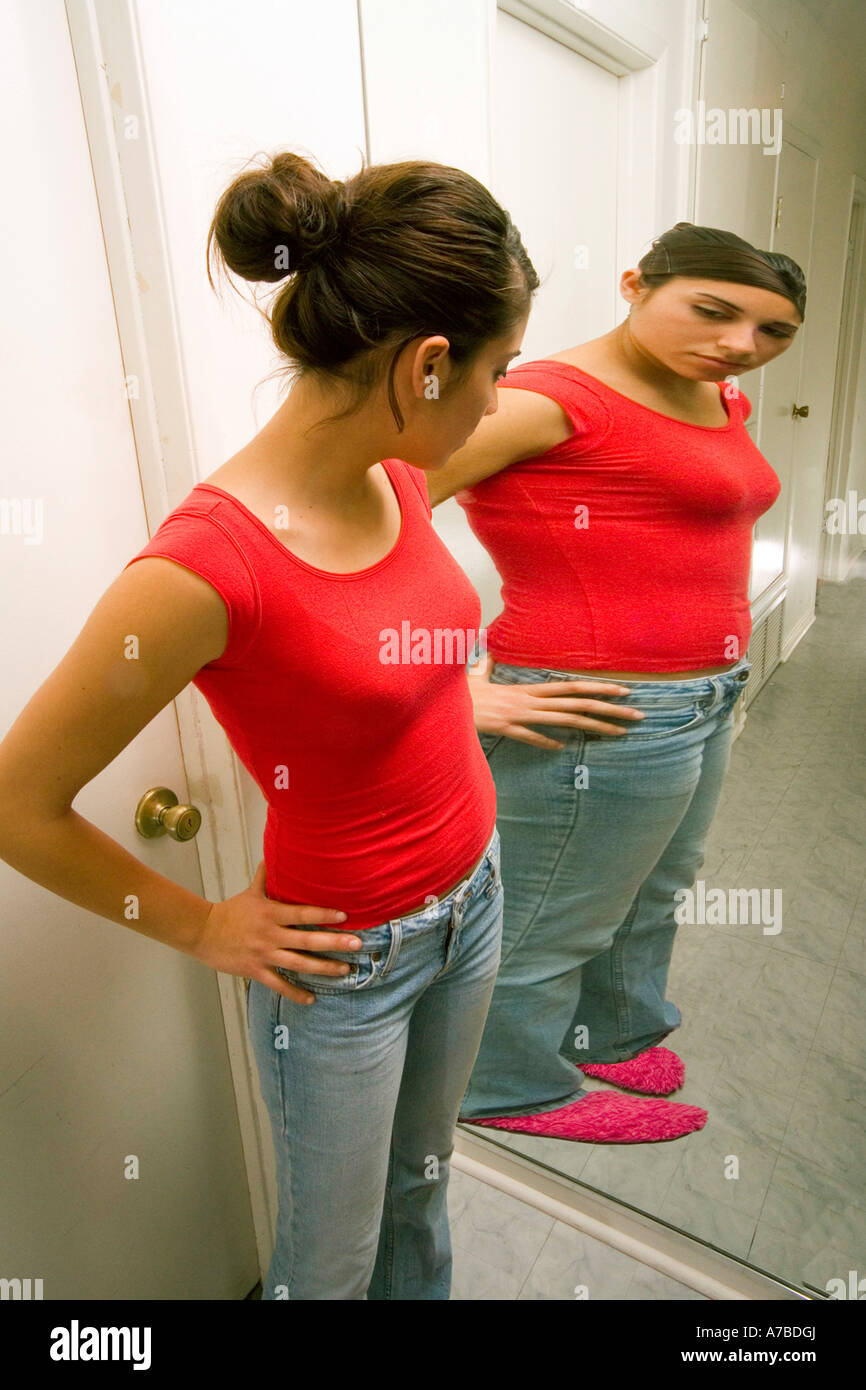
461, 883
738, 674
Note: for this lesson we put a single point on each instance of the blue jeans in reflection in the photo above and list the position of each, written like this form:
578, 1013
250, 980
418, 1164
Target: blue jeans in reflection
596, 838
363, 1088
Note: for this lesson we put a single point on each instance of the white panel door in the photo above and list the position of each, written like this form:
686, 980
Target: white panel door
742, 71
786, 385
554, 117
111, 1045
787, 536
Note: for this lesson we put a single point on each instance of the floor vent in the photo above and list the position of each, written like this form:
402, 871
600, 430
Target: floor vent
764, 651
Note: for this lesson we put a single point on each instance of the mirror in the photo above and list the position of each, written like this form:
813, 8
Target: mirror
761, 1002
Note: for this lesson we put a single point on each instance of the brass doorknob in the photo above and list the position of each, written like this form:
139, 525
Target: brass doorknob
799, 410
159, 813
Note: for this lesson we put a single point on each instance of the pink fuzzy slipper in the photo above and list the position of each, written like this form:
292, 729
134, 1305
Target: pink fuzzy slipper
605, 1118
657, 1072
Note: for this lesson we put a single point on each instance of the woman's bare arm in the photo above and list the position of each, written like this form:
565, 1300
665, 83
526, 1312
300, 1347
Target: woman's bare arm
90, 707
525, 424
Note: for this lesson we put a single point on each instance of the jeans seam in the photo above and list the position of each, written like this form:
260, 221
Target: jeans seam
532, 921
620, 997
275, 1016
388, 1220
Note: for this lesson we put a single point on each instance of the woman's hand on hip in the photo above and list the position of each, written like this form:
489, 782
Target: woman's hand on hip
508, 709
251, 933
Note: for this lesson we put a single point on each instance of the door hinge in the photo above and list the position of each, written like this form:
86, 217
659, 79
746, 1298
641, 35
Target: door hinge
778, 221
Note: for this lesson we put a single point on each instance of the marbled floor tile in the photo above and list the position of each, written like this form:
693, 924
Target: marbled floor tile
695, 1043
786, 1257
827, 1135
776, 868
841, 1031
776, 1063
801, 1213
845, 826
724, 864
853, 954
501, 1231
639, 1174
573, 1265
837, 865
651, 1285
819, 895
696, 1040
760, 745
795, 816
785, 977
474, 1280
816, 938
746, 1029
828, 1077
725, 965
705, 1168
462, 1187
823, 1190
701, 941
718, 1223
755, 1112
565, 1156
808, 797
733, 819
848, 812
752, 932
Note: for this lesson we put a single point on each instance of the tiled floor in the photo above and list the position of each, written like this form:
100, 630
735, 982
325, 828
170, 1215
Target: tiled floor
504, 1249
773, 1025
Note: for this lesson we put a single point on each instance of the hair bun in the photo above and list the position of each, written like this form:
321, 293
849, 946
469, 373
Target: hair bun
276, 220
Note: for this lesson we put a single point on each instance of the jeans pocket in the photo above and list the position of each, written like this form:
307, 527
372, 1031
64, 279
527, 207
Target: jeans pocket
488, 742
493, 878
664, 721
365, 969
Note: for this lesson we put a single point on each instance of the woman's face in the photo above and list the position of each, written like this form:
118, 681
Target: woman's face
706, 330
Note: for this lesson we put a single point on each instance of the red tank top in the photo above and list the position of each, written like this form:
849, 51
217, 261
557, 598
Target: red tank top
628, 546
345, 696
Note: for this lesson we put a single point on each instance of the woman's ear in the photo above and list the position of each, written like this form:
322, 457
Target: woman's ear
631, 287
429, 359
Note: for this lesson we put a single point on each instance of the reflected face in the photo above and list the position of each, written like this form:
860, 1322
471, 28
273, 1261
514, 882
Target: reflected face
709, 329
449, 420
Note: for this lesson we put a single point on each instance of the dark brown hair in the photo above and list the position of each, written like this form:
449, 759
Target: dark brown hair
708, 253
397, 252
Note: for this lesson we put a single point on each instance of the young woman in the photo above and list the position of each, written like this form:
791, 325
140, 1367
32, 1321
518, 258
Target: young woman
277, 587
616, 491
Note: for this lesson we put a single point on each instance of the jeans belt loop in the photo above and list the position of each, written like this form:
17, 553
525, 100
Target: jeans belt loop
396, 925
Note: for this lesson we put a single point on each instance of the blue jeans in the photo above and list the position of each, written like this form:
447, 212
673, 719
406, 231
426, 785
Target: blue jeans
363, 1088
596, 839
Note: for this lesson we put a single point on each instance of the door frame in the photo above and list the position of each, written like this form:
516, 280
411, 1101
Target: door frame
107, 56
636, 54
798, 139
853, 308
